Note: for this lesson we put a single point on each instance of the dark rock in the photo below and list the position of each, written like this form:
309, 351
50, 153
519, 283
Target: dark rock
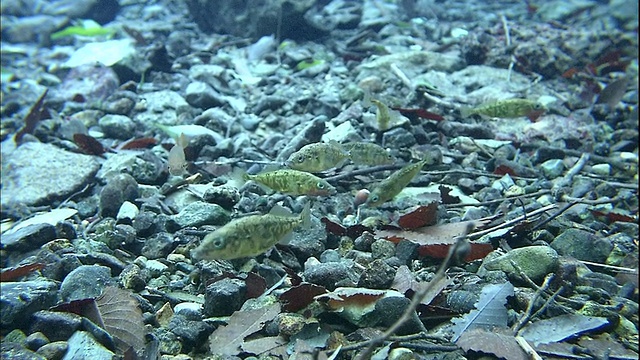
122, 187
407, 251
158, 246
145, 223
308, 242
390, 309
378, 275
53, 351
27, 172
65, 230
224, 297
328, 274
86, 281
55, 325
364, 241
35, 340
82, 345
543, 154
582, 245
20, 299
225, 196
382, 249
202, 95
193, 333
28, 238
132, 277
398, 138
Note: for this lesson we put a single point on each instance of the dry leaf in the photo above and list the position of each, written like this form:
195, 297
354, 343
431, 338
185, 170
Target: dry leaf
355, 304
35, 114
141, 143
227, 340
88, 144
421, 216
560, 327
298, 297
19, 271
492, 342
122, 319
262, 345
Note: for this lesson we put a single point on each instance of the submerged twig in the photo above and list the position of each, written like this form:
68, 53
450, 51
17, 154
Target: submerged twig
505, 28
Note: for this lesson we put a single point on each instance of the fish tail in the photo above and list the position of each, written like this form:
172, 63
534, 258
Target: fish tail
238, 177
305, 215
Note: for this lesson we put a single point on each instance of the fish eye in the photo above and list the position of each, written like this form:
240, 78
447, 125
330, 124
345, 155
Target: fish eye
320, 185
218, 243
301, 158
375, 198
537, 106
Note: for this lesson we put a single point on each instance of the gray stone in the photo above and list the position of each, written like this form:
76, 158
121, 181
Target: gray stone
55, 325
35, 340
82, 345
552, 169
582, 245
117, 126
382, 249
30, 28
329, 275
190, 310
378, 275
54, 350
122, 187
17, 351
86, 281
398, 138
192, 333
132, 277
389, 309
224, 297
202, 95
158, 246
163, 107
308, 242
201, 213
93, 83
18, 300
330, 255
155, 267
535, 261
407, 251
27, 174
225, 196
30, 237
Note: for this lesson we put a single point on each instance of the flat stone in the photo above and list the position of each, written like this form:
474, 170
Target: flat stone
86, 281
18, 300
582, 245
28, 170
535, 261
82, 345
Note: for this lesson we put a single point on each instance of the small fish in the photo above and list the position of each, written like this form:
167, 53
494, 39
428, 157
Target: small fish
317, 157
510, 108
293, 182
387, 117
364, 153
251, 235
388, 188
177, 161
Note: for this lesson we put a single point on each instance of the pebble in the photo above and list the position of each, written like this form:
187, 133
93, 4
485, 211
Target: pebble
329, 275
35, 340
155, 267
601, 169
145, 223
133, 278
55, 325
200, 213
535, 261
128, 211
120, 188
407, 251
201, 95
223, 297
389, 309
582, 245
20, 299
382, 249
158, 246
552, 169
168, 342
398, 138
503, 183
192, 333
86, 281
225, 196
82, 345
28, 238
190, 310
364, 241
54, 351
378, 275
117, 126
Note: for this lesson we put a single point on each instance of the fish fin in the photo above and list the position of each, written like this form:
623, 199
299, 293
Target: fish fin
286, 239
305, 215
466, 111
238, 177
279, 210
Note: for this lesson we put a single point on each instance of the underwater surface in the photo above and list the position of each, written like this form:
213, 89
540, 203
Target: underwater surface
242, 179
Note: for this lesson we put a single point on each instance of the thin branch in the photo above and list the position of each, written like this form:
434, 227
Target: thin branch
527, 314
533, 355
575, 169
505, 27
497, 201
512, 221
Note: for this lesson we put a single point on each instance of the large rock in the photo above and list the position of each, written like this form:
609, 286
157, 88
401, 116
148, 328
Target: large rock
37, 173
18, 300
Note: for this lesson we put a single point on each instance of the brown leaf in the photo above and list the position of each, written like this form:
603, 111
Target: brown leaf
141, 143
35, 114
256, 285
421, 216
227, 340
262, 345
84, 307
446, 198
122, 318
19, 271
439, 251
88, 144
350, 297
492, 342
298, 297
333, 227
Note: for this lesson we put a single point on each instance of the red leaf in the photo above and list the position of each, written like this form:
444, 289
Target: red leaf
35, 114
422, 113
298, 297
422, 216
141, 143
439, 251
333, 227
20, 271
295, 278
256, 285
88, 144
503, 170
570, 73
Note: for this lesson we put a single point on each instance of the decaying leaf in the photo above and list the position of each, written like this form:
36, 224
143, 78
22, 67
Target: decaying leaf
445, 195
84, 307
355, 304
141, 143
352, 231
35, 114
262, 345
492, 342
122, 319
490, 311
405, 281
300, 296
51, 217
88, 144
227, 340
19, 271
423, 215
560, 327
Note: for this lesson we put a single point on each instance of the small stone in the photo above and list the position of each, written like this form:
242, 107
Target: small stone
382, 249
552, 169
601, 169
145, 223
164, 314
515, 190
117, 126
390, 309
223, 297
81, 345
398, 138
122, 187
168, 342
378, 275
55, 325
503, 183
132, 278
128, 211
407, 251
202, 95
364, 242
155, 267
86, 281
35, 340
192, 333
535, 261
330, 255
53, 351
582, 245
401, 354
328, 275
225, 196
201, 213
289, 324
158, 246
190, 310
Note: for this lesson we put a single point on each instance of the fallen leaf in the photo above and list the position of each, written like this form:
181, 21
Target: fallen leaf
19, 271
262, 345
419, 217
492, 342
122, 318
256, 285
300, 296
560, 327
88, 144
35, 114
141, 143
446, 197
422, 113
227, 340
